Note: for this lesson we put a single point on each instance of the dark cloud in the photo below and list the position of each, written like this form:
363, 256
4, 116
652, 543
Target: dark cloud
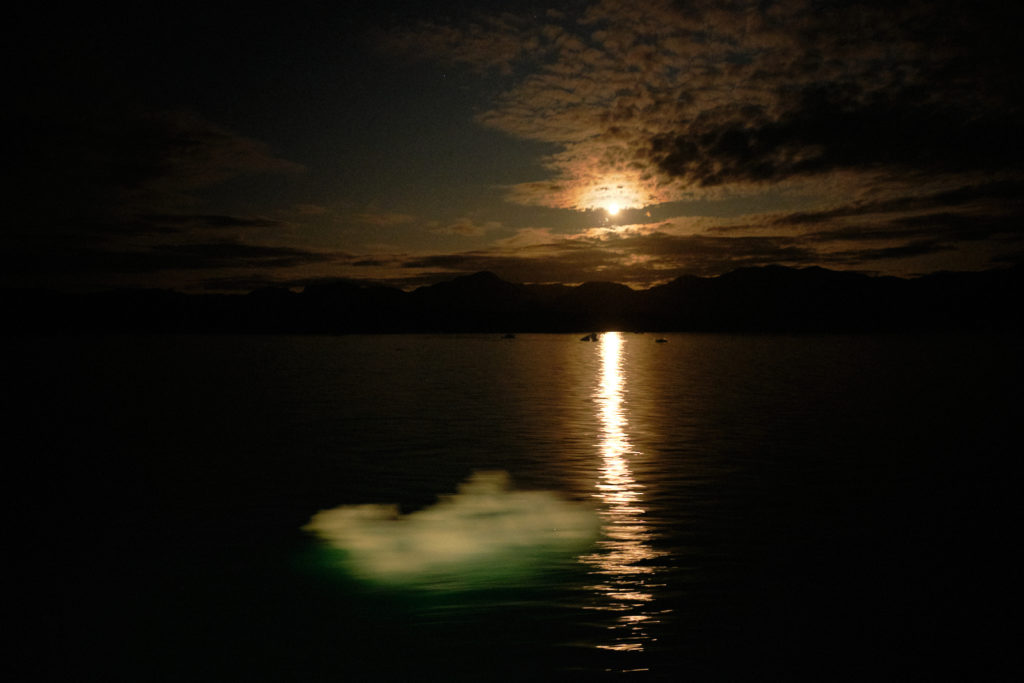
645, 258
243, 284
1006, 195
832, 127
1009, 258
227, 253
946, 225
863, 256
923, 87
166, 225
639, 259
211, 221
966, 227
566, 262
872, 232
666, 101
222, 255
740, 132
466, 227
168, 257
711, 255
250, 282
109, 168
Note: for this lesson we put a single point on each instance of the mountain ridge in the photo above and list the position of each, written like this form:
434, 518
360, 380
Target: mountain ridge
753, 299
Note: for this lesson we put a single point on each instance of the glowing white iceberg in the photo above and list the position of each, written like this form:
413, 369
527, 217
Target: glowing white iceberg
484, 530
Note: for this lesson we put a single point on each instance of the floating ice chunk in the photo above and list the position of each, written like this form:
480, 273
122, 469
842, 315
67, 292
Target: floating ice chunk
485, 529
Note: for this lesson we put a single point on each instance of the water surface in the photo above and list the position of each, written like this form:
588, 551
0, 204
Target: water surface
766, 507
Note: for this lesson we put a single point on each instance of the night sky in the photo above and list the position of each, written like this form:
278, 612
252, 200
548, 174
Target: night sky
225, 148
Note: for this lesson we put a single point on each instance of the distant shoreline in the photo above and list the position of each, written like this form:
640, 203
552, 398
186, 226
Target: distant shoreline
768, 299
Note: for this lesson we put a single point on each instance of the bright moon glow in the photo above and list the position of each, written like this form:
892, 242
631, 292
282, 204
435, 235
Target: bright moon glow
615, 192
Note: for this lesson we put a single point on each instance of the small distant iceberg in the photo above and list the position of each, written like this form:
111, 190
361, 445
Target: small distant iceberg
481, 535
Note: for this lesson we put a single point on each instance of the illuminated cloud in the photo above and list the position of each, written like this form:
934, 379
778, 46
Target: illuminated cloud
310, 210
464, 227
529, 237
125, 172
645, 255
383, 219
483, 532
664, 101
839, 133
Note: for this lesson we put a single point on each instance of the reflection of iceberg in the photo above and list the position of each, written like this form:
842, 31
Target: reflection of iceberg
483, 531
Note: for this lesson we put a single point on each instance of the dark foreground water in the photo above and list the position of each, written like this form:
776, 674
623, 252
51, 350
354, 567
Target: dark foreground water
716, 507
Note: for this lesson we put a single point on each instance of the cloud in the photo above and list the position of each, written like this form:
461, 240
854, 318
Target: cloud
214, 221
570, 259
838, 127
479, 535
383, 219
465, 227
106, 187
876, 132
640, 257
232, 254
180, 150
916, 248
96, 229
667, 101
111, 167
644, 255
950, 227
311, 210
529, 237
1008, 194
211, 256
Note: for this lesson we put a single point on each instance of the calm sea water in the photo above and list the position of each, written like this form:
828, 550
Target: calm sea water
719, 507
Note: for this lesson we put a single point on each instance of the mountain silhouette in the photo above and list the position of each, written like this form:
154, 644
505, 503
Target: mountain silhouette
761, 299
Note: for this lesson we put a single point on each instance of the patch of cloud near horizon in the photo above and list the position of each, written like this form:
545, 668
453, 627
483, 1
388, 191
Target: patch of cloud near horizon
213, 256
464, 227
946, 219
860, 236
383, 219
110, 188
664, 101
127, 171
639, 257
215, 221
